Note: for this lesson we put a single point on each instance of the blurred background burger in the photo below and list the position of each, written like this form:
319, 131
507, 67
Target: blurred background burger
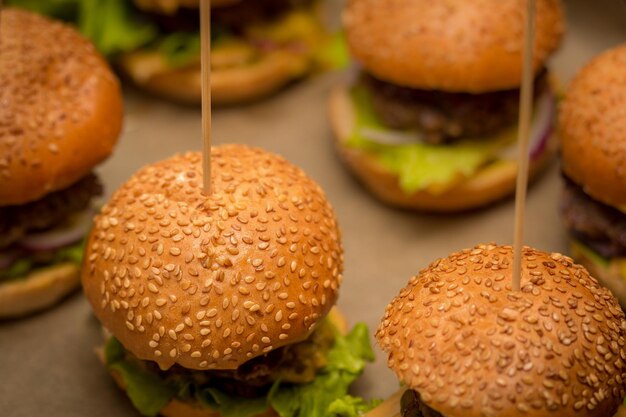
60, 115
258, 46
593, 140
430, 120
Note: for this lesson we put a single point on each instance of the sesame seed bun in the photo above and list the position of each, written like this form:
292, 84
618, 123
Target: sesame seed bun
471, 347
459, 45
592, 126
60, 107
151, 72
38, 290
211, 282
490, 184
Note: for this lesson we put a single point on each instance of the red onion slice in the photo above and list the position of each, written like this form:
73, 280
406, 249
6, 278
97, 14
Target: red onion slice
540, 131
543, 124
59, 237
390, 137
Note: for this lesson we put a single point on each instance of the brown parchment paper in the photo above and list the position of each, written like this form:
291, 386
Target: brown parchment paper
47, 362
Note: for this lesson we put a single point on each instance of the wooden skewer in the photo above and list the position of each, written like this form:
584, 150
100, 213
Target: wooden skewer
389, 408
205, 44
526, 101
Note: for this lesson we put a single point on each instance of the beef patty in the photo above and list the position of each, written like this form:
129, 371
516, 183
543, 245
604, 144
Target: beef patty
233, 18
411, 405
248, 12
601, 227
51, 210
442, 116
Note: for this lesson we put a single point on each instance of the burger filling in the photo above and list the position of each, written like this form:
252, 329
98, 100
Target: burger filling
242, 34
411, 405
405, 129
47, 231
444, 117
599, 226
598, 229
310, 378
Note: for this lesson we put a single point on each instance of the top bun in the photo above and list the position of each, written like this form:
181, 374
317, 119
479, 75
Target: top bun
211, 282
592, 127
472, 348
60, 107
455, 45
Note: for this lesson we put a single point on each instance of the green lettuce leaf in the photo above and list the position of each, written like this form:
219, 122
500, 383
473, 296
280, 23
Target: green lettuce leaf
180, 48
346, 361
148, 393
112, 25
73, 253
348, 406
333, 54
420, 166
595, 257
20, 268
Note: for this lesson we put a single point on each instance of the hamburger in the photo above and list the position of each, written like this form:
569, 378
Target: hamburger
429, 121
258, 46
60, 115
592, 125
221, 305
465, 345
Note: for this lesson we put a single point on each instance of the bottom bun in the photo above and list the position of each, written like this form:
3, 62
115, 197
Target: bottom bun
40, 289
177, 408
151, 72
490, 184
611, 276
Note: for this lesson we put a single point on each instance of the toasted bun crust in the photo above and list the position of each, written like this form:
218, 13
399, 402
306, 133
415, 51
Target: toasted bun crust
211, 282
487, 186
554, 348
610, 276
38, 290
149, 71
177, 408
60, 107
459, 45
592, 125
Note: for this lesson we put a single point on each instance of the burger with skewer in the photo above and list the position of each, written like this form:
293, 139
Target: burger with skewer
221, 305
429, 120
464, 344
